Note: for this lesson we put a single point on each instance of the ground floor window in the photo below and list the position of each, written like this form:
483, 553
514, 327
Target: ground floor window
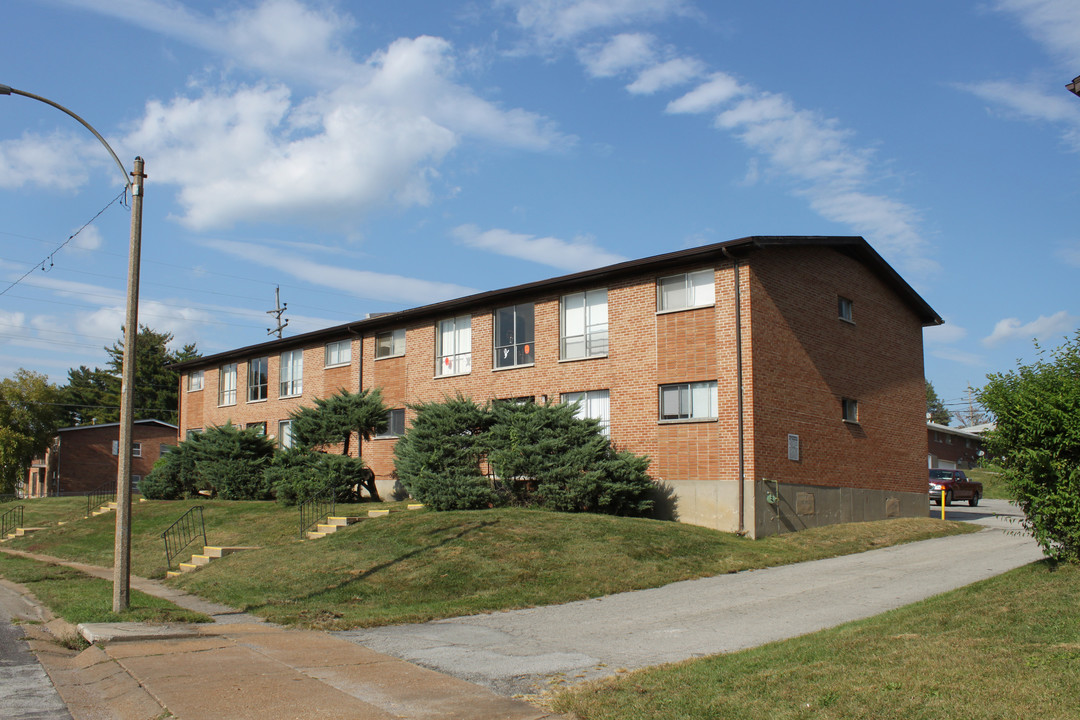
595, 404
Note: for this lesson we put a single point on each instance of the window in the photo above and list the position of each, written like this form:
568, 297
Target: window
514, 336
584, 325
164, 449
850, 409
678, 292
258, 427
395, 424
338, 353
192, 433
258, 378
595, 404
285, 434
453, 352
135, 480
227, 385
195, 381
688, 401
136, 448
390, 344
292, 373
845, 309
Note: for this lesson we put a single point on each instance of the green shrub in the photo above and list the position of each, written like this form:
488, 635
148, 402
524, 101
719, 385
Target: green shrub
438, 459
1036, 441
223, 460
298, 475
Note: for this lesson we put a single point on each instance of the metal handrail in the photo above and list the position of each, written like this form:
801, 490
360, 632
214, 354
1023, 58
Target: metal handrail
315, 509
183, 532
100, 497
11, 520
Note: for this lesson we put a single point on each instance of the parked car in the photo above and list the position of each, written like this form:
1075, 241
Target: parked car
953, 485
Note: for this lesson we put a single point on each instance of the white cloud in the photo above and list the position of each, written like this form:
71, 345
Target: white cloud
561, 20
676, 71
1009, 329
1054, 23
1033, 103
1069, 253
89, 238
57, 161
623, 52
358, 283
719, 89
959, 356
944, 334
578, 254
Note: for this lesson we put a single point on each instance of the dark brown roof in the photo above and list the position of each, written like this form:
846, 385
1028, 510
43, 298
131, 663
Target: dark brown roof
853, 246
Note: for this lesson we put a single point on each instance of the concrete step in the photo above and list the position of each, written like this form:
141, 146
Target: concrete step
173, 573
377, 513
415, 506
341, 521
188, 567
326, 529
315, 535
200, 560
19, 532
218, 551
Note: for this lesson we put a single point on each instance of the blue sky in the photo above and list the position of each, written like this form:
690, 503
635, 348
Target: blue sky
374, 156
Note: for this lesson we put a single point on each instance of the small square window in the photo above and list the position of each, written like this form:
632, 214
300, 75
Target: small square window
390, 344
338, 353
850, 410
195, 381
136, 449
844, 306
395, 424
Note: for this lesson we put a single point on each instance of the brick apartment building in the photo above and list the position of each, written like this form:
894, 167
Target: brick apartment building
776, 383
84, 458
953, 448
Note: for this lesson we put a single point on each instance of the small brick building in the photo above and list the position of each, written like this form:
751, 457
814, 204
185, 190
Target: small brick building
952, 448
84, 458
776, 383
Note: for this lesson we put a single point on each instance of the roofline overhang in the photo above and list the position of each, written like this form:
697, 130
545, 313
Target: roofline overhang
854, 246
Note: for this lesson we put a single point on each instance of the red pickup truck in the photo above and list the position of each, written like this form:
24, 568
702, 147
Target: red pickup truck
953, 485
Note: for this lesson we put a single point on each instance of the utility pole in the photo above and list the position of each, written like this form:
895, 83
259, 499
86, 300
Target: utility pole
277, 312
122, 546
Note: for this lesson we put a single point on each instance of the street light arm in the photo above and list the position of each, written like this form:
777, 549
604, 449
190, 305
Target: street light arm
8, 90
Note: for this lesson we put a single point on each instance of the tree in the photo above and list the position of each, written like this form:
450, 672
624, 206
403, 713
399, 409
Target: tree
1036, 442
333, 420
30, 414
935, 408
94, 395
226, 460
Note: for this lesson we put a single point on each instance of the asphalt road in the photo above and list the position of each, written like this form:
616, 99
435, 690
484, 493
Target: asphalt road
26, 693
519, 651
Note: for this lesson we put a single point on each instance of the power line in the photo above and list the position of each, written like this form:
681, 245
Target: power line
49, 258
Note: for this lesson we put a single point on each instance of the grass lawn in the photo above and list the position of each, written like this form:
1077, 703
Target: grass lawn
993, 484
420, 565
1008, 647
79, 598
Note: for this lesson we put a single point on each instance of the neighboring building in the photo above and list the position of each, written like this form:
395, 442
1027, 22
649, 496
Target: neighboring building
84, 458
793, 363
954, 448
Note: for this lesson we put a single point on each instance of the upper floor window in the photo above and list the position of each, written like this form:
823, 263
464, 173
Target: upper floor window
195, 380
136, 448
453, 346
514, 336
292, 373
595, 404
844, 306
258, 378
850, 410
227, 385
688, 401
395, 424
390, 343
687, 290
584, 325
338, 353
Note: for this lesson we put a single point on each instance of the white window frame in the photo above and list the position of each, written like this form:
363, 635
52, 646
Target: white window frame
393, 414
285, 437
453, 346
227, 385
264, 363
583, 325
338, 353
136, 449
686, 290
517, 349
849, 409
845, 309
394, 348
195, 381
595, 404
693, 401
291, 373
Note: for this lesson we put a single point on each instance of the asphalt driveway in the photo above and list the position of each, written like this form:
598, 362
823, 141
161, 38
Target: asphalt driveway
519, 651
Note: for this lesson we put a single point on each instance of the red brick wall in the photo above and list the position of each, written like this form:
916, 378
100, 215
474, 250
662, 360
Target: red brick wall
805, 359
86, 462
960, 450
